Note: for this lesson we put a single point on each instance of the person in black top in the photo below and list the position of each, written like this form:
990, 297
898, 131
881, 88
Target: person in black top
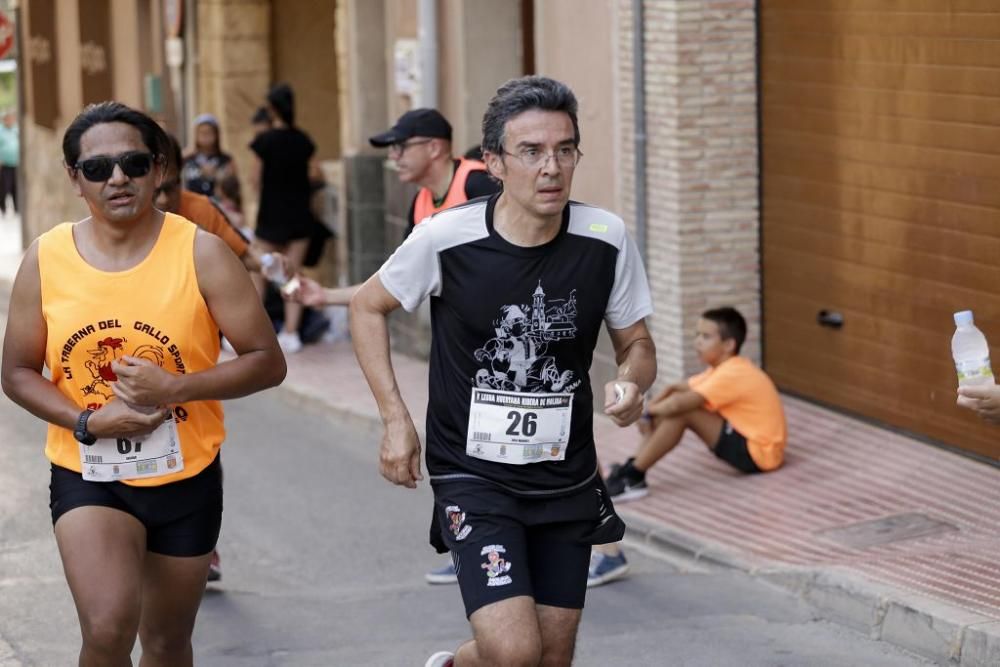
284, 218
520, 284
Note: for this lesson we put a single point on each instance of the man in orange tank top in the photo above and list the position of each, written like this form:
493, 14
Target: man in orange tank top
124, 308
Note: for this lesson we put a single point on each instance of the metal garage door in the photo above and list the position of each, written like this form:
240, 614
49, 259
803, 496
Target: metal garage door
881, 202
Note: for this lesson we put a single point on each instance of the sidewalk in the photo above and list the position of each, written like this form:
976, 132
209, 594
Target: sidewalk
877, 531
925, 577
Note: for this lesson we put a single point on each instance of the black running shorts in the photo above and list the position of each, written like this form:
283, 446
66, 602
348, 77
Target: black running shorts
181, 519
732, 448
505, 546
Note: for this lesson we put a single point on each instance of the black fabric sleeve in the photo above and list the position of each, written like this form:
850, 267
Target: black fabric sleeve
480, 184
260, 143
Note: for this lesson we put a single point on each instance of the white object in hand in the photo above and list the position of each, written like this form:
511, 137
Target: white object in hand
291, 286
619, 393
971, 352
270, 268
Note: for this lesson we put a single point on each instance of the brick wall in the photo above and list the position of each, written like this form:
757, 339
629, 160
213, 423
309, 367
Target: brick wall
702, 174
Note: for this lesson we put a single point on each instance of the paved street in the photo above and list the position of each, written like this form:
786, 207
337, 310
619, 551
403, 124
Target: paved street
323, 565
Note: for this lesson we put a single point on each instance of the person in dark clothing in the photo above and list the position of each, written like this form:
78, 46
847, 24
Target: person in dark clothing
285, 221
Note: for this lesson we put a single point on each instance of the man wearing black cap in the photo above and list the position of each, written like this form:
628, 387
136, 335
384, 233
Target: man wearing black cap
420, 143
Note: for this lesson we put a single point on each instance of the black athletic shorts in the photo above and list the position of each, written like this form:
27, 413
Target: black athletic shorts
732, 448
505, 545
181, 518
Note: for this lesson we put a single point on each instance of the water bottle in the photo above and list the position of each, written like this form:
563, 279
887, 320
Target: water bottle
970, 351
271, 269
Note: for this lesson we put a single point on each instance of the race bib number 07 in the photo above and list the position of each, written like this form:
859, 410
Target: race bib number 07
518, 428
113, 459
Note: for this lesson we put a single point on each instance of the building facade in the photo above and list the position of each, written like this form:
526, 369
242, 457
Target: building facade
826, 170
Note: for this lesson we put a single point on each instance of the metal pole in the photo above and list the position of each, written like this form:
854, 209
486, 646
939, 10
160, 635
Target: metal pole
639, 120
427, 35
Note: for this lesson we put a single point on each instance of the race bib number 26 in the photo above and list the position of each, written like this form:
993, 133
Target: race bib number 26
518, 428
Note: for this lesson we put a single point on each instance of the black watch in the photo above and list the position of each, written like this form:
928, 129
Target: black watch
80, 432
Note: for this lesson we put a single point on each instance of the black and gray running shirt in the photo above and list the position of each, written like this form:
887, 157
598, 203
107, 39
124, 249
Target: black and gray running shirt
513, 335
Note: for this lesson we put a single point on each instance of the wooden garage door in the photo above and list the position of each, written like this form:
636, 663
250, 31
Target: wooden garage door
881, 202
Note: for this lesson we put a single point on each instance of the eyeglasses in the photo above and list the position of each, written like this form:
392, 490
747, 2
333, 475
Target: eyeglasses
396, 150
533, 158
134, 164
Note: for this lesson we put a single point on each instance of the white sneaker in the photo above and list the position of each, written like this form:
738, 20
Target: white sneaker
441, 659
289, 342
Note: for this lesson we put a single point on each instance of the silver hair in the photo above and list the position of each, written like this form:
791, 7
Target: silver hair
520, 95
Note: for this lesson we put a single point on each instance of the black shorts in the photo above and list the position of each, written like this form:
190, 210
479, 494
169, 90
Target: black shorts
731, 447
505, 545
181, 519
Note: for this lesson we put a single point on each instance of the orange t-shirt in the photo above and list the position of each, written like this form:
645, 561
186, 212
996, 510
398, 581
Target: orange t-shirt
154, 311
200, 210
746, 397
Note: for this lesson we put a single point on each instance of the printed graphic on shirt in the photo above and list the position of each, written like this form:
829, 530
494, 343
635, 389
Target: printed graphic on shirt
495, 566
516, 358
456, 522
94, 347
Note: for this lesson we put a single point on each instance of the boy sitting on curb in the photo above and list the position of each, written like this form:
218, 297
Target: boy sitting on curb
733, 406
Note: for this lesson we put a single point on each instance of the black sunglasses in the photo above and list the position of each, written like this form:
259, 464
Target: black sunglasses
134, 164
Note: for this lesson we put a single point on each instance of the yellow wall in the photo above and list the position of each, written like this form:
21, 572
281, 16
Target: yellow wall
575, 43
303, 54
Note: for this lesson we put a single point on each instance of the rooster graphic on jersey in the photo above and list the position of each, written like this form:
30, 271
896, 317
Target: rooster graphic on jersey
516, 358
108, 350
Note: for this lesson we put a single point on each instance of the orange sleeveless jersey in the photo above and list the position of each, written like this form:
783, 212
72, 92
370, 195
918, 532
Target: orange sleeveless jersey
153, 311
423, 206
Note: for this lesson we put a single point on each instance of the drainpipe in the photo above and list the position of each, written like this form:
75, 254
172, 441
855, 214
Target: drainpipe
639, 120
427, 22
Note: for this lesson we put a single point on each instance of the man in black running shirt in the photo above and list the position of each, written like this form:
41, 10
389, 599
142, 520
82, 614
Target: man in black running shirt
520, 284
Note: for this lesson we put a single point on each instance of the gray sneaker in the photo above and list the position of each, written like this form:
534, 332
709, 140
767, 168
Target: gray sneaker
445, 574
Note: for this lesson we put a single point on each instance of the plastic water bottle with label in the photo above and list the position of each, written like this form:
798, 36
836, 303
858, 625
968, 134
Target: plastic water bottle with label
971, 352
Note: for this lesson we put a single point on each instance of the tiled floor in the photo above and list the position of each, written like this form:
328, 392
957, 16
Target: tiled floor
839, 472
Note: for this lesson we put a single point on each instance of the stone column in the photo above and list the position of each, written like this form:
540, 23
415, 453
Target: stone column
702, 170
234, 70
361, 32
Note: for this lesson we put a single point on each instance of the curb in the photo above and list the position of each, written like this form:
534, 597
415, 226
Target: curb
943, 633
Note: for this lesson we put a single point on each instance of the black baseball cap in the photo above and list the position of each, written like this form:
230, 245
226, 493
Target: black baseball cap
414, 123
